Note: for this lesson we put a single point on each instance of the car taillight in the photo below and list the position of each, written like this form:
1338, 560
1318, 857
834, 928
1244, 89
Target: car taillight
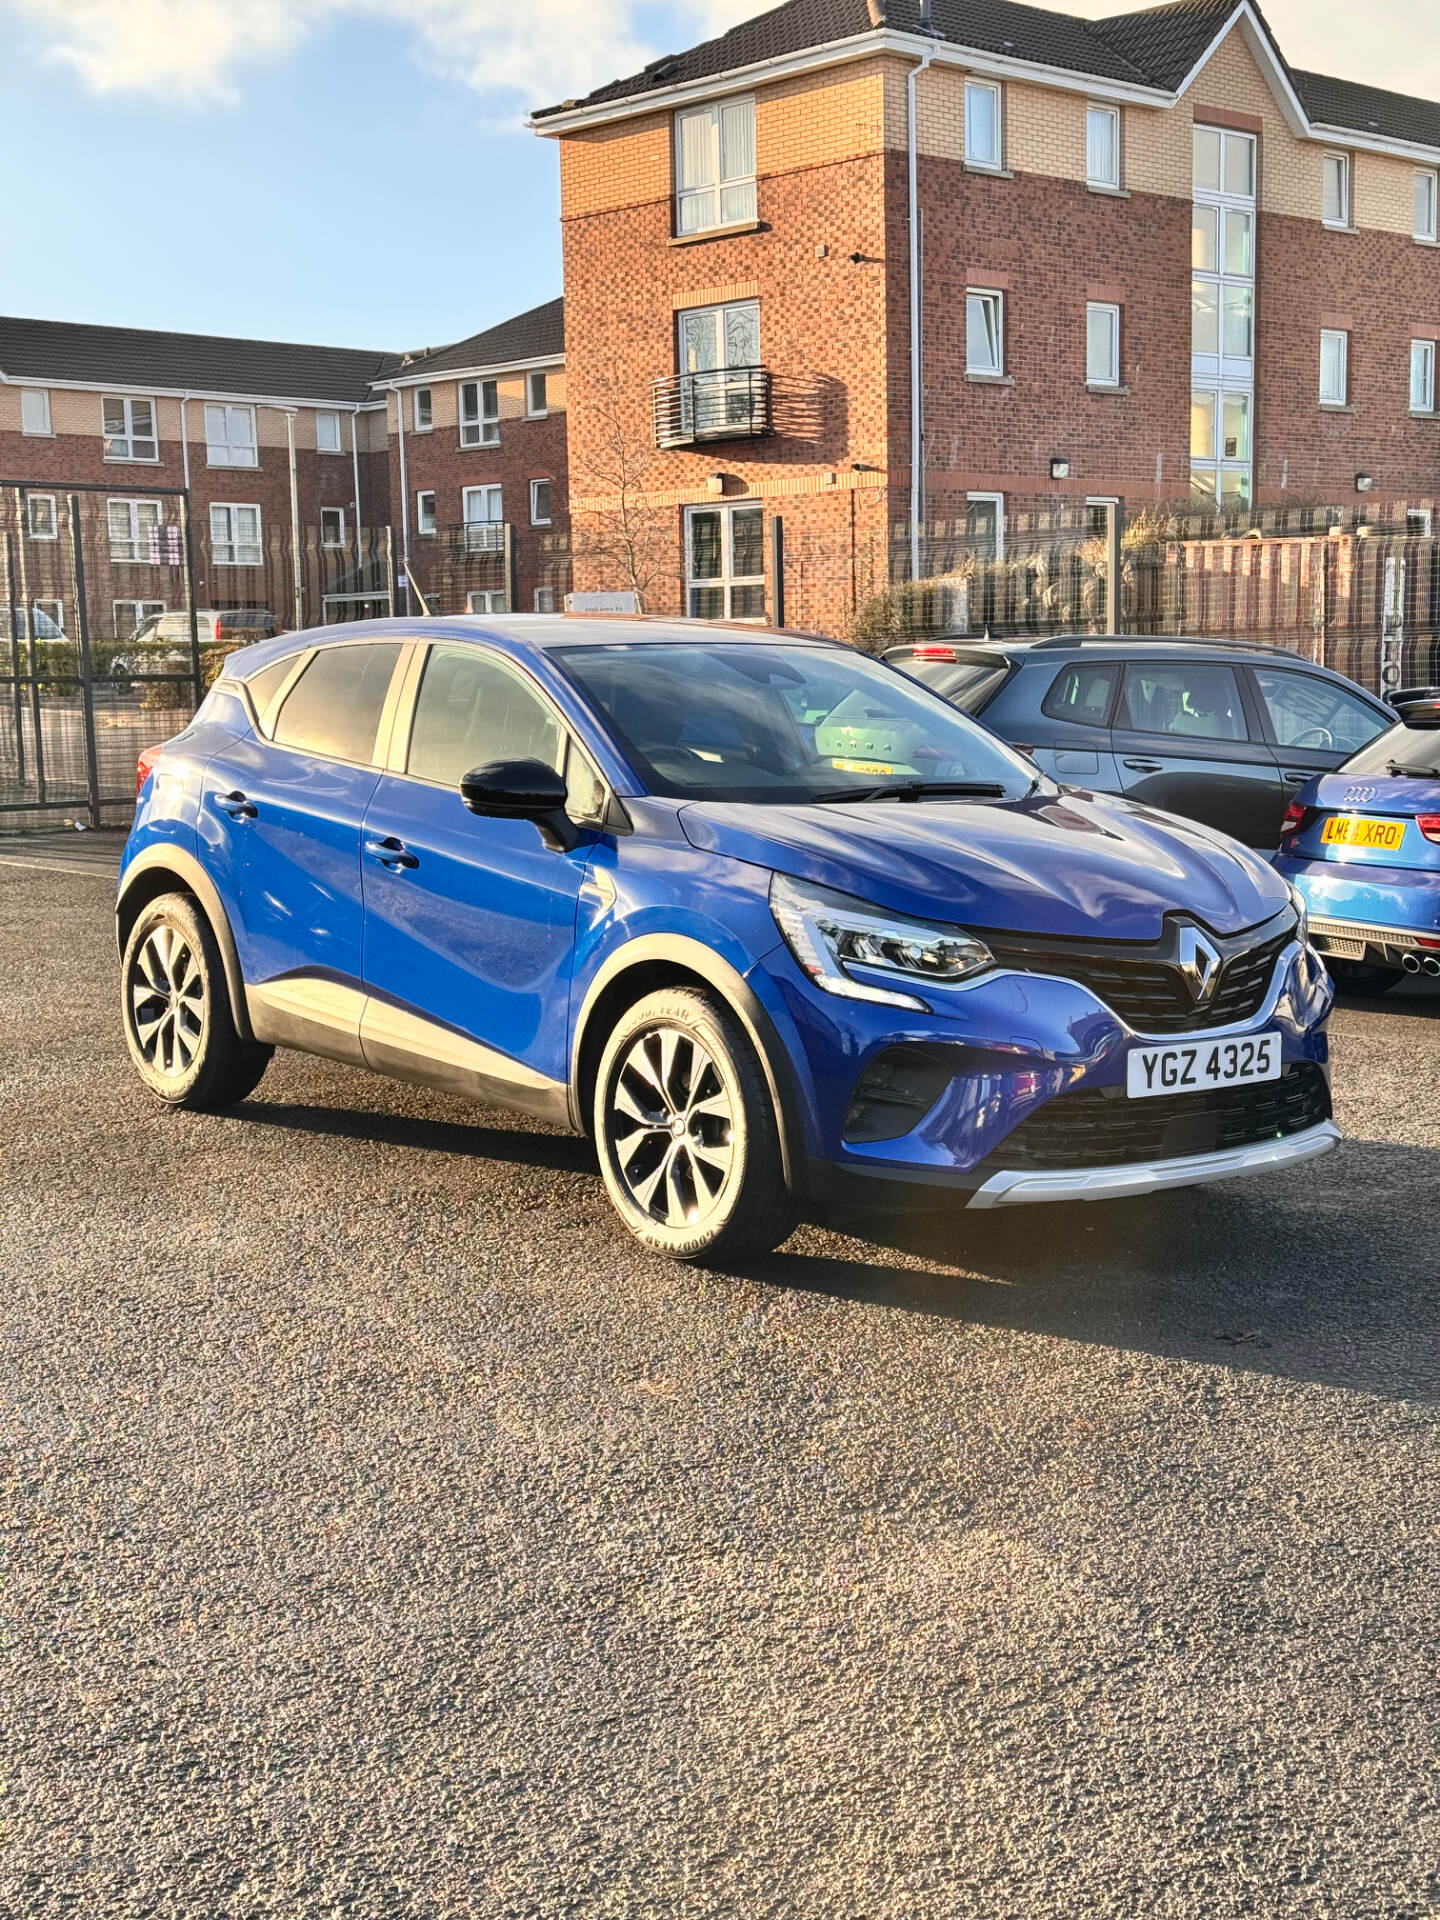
936, 653
1294, 819
144, 767
1429, 825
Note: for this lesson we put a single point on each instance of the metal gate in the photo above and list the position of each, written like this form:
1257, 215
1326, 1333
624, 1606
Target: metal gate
100, 655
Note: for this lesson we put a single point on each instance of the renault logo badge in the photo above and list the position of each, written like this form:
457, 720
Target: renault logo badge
1199, 964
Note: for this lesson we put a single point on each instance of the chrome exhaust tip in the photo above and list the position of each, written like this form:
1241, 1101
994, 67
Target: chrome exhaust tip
1412, 962
1432, 964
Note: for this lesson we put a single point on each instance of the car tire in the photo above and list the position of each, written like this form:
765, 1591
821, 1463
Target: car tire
175, 1003
686, 1131
1359, 982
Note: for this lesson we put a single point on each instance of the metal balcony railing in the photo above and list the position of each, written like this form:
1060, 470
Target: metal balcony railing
485, 536
727, 403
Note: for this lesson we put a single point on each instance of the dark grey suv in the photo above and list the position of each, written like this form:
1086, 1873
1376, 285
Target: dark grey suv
1221, 733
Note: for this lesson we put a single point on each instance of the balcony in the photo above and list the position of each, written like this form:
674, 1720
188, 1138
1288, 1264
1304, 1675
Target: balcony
484, 536
727, 403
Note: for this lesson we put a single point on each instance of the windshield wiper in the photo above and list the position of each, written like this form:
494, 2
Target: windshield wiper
916, 790
1412, 773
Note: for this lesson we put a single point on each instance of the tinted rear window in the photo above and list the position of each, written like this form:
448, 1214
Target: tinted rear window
967, 684
334, 707
1415, 748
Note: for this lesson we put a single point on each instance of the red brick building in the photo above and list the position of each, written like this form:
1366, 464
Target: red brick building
893, 272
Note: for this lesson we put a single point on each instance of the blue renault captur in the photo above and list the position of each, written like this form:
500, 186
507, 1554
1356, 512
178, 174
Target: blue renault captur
769, 920
1363, 848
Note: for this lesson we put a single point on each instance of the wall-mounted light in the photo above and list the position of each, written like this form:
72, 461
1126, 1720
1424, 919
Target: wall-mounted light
715, 484
1364, 482
1059, 468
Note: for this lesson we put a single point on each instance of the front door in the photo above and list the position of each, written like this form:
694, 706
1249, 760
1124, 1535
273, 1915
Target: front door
470, 923
1315, 725
1184, 744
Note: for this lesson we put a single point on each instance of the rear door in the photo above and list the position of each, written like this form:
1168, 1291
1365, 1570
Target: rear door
1186, 743
1071, 737
1313, 724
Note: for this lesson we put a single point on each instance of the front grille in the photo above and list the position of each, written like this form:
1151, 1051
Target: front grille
1144, 986
1101, 1127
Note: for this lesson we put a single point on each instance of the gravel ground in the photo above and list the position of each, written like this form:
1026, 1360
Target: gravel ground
386, 1536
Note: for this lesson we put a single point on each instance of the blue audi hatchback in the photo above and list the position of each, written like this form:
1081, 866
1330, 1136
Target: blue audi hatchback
769, 920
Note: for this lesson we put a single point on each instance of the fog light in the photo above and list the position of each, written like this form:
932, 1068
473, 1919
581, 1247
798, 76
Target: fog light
895, 1092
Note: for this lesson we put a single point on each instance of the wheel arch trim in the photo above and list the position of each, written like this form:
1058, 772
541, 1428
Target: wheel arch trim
173, 862
694, 957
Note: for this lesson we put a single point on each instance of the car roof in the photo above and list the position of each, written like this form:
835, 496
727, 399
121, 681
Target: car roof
1122, 646
517, 632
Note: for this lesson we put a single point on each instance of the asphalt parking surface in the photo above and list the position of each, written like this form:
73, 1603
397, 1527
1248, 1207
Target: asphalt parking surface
386, 1536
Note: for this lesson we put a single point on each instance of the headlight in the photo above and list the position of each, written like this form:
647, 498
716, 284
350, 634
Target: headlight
829, 933
1302, 912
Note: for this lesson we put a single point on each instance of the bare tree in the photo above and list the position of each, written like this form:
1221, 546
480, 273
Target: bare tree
629, 538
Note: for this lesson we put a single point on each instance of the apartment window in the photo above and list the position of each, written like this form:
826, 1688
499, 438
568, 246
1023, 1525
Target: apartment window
482, 503
479, 413
544, 600
1427, 205
129, 428
486, 600
725, 563
715, 166
1419, 520
1102, 147
129, 616
235, 536
1337, 190
1334, 368
1102, 345
983, 125
134, 527
327, 433
425, 511
985, 525
1422, 376
40, 518
332, 526
537, 400
47, 620
540, 503
230, 436
985, 334
421, 412
1220, 446
35, 410
484, 516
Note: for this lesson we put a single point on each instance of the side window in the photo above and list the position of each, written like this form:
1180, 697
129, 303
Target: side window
334, 707
472, 708
263, 686
1082, 694
1196, 701
1307, 712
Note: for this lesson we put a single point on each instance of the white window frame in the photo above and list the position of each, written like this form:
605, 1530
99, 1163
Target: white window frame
720, 184
54, 533
1429, 234
486, 600
486, 488
1110, 311
997, 92
532, 412
535, 519
480, 427
54, 610
427, 424
992, 299
230, 508
1341, 162
135, 558
997, 500
339, 514
29, 397
1422, 362
1420, 520
142, 610
222, 452
329, 413
424, 514
1104, 183
544, 599
1329, 399
127, 403
727, 580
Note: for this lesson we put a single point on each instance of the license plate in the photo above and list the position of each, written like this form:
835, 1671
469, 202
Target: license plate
1198, 1064
1346, 830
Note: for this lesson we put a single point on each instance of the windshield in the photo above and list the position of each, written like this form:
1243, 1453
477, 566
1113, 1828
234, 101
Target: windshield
1415, 748
748, 721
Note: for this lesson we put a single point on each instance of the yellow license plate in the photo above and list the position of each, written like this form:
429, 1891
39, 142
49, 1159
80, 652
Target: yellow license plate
861, 766
1345, 830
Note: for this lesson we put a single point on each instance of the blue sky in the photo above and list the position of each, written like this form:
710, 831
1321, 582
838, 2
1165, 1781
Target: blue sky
355, 171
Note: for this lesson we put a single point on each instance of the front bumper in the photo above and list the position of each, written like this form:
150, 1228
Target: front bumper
1155, 1176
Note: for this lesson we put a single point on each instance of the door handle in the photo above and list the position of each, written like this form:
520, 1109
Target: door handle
236, 805
392, 853
1296, 779
1145, 766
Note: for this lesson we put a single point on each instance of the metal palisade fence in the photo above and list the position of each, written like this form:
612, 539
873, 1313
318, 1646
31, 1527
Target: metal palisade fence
118, 614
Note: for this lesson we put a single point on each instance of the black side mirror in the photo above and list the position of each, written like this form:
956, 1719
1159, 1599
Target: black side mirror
522, 790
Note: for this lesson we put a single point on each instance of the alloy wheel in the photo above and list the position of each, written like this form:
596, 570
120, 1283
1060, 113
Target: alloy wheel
167, 1002
671, 1127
